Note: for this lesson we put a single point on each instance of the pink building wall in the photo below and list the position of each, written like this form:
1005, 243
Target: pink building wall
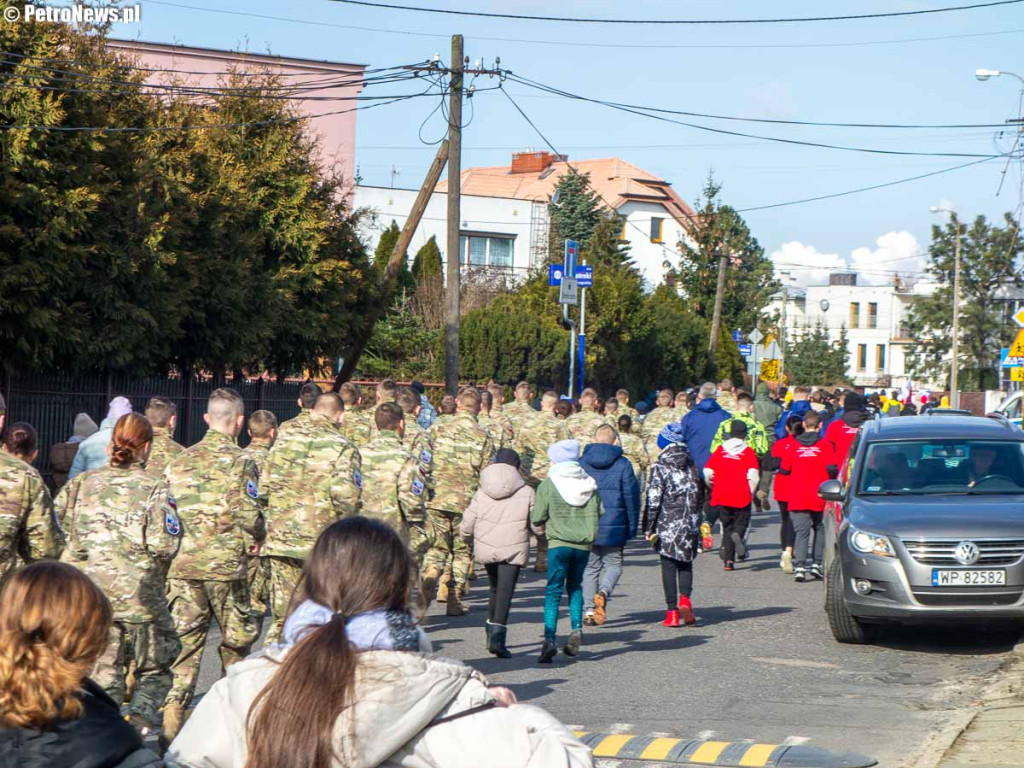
336, 132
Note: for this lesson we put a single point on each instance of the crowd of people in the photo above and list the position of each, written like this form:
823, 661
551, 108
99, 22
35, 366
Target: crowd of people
342, 525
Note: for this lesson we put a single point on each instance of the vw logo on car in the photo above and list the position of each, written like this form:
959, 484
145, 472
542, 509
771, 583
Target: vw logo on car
967, 553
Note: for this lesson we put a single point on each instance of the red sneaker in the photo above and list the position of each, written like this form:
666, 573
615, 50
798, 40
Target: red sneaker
671, 619
686, 611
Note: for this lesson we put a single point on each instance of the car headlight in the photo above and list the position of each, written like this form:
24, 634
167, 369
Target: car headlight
871, 543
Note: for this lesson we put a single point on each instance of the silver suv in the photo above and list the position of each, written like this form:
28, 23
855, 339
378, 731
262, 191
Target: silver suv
927, 524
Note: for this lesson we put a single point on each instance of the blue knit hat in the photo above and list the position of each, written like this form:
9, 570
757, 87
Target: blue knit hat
671, 434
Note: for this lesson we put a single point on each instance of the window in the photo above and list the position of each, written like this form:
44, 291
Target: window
943, 466
493, 251
854, 314
656, 226
872, 315
862, 357
880, 357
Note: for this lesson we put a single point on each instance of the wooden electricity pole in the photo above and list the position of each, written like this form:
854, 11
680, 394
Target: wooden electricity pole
716, 318
453, 281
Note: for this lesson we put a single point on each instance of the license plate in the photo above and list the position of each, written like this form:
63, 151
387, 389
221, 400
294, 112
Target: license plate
941, 578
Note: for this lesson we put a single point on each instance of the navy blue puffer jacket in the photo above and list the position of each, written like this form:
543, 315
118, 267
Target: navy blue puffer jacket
619, 491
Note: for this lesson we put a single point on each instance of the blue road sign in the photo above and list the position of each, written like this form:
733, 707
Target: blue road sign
746, 349
555, 272
737, 336
1005, 361
584, 277
572, 249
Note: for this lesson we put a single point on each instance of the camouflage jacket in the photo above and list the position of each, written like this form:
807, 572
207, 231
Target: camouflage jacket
757, 435
582, 426
517, 413
122, 531
215, 490
394, 488
28, 528
727, 400
257, 450
498, 428
300, 420
163, 450
461, 451
656, 421
633, 449
627, 410
358, 426
312, 478
533, 440
417, 442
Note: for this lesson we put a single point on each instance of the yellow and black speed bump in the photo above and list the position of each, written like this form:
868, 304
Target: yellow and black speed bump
728, 754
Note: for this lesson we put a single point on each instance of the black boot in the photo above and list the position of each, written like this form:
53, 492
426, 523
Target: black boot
497, 641
548, 651
489, 630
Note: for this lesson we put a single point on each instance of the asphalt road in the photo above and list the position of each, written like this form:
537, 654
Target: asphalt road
760, 665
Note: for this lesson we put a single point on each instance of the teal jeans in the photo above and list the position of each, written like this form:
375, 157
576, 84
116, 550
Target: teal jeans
565, 573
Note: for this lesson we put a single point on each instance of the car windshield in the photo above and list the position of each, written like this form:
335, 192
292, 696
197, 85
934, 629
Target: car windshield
943, 467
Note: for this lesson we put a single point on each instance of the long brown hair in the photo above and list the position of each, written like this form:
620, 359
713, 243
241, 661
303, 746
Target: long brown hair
357, 565
131, 434
54, 624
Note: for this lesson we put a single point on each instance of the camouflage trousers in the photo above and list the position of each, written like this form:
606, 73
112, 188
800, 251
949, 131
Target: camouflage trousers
447, 547
193, 604
259, 586
285, 573
149, 650
420, 541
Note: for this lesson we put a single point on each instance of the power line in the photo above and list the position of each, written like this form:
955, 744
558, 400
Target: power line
578, 44
587, 20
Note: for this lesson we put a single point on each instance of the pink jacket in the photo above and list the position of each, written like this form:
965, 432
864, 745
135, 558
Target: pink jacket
497, 517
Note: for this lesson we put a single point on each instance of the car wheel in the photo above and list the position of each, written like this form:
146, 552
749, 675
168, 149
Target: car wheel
846, 628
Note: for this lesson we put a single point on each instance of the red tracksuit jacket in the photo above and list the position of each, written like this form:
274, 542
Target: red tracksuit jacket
779, 451
811, 461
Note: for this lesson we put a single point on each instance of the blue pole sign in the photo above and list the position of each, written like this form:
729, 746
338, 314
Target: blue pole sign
555, 273
584, 276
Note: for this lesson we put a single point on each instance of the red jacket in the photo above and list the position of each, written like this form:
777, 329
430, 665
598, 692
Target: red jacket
843, 431
731, 487
810, 462
779, 451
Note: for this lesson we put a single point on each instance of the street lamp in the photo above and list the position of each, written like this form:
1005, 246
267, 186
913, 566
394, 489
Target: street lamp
985, 74
954, 394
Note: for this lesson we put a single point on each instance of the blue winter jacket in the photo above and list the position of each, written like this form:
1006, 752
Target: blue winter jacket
796, 408
619, 491
700, 427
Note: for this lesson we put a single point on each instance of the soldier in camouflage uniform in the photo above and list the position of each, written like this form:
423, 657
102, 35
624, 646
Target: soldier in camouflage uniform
497, 426
163, 417
633, 449
387, 391
520, 410
498, 412
357, 425
312, 478
446, 410
583, 424
262, 433
28, 529
727, 395
394, 487
461, 451
307, 398
122, 531
625, 409
657, 420
216, 491
417, 439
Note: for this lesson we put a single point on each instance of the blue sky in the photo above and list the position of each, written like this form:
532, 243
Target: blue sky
818, 72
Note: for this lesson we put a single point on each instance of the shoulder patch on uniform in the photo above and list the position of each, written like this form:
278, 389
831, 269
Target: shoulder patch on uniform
172, 503
418, 487
171, 521
426, 456
252, 490
357, 478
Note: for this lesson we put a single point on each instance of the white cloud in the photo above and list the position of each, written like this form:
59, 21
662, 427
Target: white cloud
894, 252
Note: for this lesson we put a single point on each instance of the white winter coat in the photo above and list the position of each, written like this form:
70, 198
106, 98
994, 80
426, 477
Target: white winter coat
497, 519
399, 695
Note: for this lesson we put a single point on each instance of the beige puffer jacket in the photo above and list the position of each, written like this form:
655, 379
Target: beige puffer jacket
399, 696
497, 518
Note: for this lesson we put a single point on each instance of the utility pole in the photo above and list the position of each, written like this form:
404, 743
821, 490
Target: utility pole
954, 392
716, 319
454, 277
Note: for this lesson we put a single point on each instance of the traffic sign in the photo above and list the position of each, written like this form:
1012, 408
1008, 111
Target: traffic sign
1018, 317
773, 351
584, 276
1017, 348
1005, 361
567, 291
1017, 374
572, 249
755, 336
746, 349
555, 272
737, 336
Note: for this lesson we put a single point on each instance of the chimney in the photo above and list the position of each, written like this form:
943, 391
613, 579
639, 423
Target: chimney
534, 162
843, 278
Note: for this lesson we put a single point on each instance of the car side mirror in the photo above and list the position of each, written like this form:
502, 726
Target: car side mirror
831, 490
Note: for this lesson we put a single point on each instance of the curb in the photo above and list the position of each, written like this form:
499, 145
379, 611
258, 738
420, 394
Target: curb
734, 754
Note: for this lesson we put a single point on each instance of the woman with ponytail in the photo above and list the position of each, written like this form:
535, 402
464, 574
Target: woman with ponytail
54, 624
353, 685
122, 530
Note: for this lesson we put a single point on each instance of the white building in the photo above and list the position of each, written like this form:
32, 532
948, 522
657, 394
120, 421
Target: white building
505, 221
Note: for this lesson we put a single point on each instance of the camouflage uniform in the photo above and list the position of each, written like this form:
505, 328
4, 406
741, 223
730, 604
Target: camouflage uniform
395, 489
656, 421
634, 450
28, 528
499, 430
533, 441
757, 435
628, 410
727, 400
123, 530
517, 413
258, 565
300, 420
312, 478
461, 451
216, 491
582, 426
163, 450
358, 426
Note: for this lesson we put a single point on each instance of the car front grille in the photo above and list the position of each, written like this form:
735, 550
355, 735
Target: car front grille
941, 551
977, 597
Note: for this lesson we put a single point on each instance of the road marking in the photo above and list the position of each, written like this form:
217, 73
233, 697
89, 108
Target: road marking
795, 741
758, 755
659, 749
610, 745
709, 752
796, 663
620, 728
